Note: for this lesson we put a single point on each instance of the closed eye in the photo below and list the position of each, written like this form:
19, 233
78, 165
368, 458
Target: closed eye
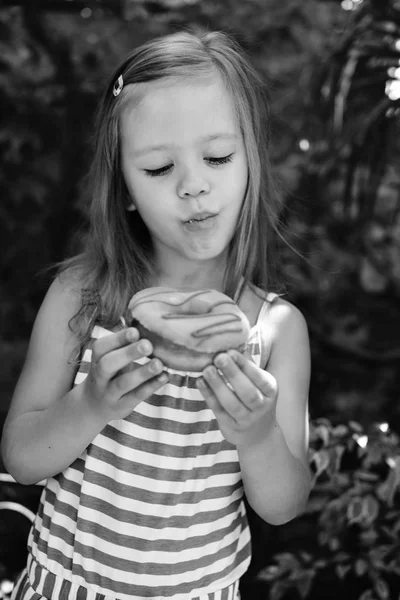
158, 172
212, 160
220, 160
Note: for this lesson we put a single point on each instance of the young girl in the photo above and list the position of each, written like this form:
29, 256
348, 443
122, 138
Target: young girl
146, 469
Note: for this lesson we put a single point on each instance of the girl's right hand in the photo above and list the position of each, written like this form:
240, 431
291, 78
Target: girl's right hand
112, 386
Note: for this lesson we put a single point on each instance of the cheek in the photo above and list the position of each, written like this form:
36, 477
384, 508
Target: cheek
237, 182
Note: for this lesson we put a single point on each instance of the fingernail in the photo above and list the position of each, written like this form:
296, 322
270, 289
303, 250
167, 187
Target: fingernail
144, 347
221, 360
163, 378
155, 366
132, 335
210, 372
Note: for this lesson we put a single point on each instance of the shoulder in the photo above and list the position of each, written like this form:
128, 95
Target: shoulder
286, 325
285, 317
64, 294
281, 324
290, 345
49, 370
60, 305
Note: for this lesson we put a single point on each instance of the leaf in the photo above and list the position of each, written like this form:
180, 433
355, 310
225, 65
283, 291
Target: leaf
322, 431
370, 508
321, 460
304, 583
366, 476
382, 589
340, 430
361, 567
278, 590
387, 490
333, 544
356, 426
342, 570
269, 573
378, 554
355, 510
367, 595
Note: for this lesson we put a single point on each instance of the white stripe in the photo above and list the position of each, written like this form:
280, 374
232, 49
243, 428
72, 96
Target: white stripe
174, 414
110, 595
135, 530
87, 355
179, 463
174, 488
167, 532
172, 438
99, 332
150, 581
173, 557
80, 377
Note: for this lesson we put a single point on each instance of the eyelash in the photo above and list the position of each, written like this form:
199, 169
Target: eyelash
215, 161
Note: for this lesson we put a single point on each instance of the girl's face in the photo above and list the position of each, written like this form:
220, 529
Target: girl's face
184, 164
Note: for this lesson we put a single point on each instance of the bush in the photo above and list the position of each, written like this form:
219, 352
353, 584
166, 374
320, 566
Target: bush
352, 547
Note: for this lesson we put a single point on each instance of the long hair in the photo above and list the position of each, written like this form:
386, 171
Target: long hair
117, 258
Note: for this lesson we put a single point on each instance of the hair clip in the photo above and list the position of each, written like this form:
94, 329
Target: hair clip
118, 85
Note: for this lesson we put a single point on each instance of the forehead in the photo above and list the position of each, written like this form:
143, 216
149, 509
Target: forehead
178, 111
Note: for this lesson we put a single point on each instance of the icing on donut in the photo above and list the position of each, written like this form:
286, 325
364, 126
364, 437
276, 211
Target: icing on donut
203, 322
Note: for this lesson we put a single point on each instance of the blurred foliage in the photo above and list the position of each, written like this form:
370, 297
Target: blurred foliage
352, 545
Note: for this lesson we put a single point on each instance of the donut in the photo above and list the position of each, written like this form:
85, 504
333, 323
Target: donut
187, 329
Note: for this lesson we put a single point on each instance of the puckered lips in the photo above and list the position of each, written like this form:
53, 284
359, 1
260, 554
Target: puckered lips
200, 221
200, 216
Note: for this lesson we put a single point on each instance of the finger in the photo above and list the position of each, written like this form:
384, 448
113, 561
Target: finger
113, 341
226, 397
116, 360
212, 402
143, 391
243, 387
131, 380
263, 380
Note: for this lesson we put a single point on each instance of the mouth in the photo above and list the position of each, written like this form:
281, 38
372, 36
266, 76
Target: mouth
200, 217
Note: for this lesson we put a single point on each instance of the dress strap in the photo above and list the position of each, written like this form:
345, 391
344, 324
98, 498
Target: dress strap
261, 321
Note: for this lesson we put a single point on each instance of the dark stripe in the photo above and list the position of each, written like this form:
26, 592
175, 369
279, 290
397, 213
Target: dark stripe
163, 499
154, 473
25, 589
144, 567
49, 583
178, 403
19, 584
159, 522
157, 423
161, 449
36, 580
81, 593
151, 592
166, 545
65, 590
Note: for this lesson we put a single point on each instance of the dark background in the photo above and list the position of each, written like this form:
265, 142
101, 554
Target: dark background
335, 149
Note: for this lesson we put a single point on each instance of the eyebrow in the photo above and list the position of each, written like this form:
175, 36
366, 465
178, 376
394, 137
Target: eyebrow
205, 138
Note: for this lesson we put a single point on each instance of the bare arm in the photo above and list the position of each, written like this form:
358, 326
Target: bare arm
49, 424
275, 467
267, 416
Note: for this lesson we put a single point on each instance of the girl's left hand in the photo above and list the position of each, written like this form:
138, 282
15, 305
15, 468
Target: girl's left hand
243, 400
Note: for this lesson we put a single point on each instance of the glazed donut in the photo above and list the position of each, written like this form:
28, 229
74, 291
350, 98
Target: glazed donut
187, 329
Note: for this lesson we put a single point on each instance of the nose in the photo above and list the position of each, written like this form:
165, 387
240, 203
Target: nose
192, 184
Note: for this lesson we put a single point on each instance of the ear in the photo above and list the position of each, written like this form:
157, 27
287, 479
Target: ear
131, 207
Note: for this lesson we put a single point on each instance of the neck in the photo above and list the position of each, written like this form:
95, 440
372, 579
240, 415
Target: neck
193, 278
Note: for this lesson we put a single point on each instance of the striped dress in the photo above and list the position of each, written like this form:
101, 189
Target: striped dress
153, 509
